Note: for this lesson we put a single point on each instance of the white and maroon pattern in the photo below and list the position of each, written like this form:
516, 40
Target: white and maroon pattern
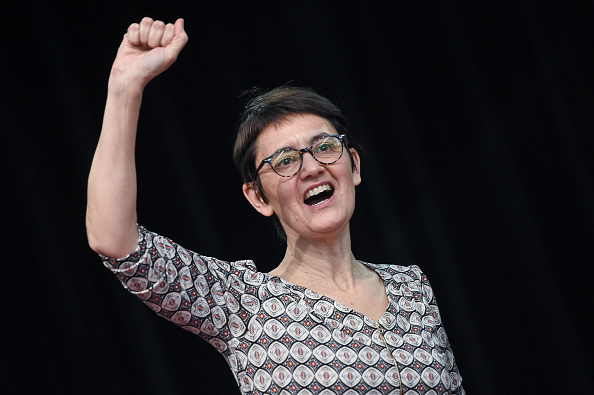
280, 338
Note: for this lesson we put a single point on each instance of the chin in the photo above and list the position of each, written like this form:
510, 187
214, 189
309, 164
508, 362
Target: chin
320, 225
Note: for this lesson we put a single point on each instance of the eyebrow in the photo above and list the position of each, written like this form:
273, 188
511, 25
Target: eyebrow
318, 136
312, 140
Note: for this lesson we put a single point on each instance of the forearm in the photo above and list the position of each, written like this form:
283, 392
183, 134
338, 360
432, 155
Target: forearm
111, 204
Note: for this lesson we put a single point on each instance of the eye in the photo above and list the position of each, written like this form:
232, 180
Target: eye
323, 147
285, 158
326, 144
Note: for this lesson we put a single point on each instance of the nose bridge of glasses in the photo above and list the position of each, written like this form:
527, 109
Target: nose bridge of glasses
309, 163
309, 150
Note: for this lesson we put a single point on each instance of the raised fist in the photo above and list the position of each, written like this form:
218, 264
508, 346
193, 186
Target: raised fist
148, 48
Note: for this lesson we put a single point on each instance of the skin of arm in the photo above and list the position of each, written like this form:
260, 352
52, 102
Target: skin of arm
148, 49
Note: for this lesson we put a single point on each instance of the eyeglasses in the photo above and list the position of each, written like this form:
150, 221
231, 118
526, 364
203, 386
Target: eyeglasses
287, 162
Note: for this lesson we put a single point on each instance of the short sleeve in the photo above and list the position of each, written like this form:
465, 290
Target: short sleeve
184, 287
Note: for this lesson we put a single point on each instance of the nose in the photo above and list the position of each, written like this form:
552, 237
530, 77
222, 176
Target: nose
310, 167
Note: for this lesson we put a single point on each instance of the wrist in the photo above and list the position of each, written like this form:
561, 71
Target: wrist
123, 98
120, 83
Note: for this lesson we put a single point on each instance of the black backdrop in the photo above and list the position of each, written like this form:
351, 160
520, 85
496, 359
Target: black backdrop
477, 123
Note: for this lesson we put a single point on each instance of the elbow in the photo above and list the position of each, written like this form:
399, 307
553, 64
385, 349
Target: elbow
92, 239
96, 245
111, 244
99, 245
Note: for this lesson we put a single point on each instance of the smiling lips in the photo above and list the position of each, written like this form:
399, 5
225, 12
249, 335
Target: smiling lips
318, 194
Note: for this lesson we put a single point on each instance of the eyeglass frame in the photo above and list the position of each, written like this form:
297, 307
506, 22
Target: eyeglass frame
268, 159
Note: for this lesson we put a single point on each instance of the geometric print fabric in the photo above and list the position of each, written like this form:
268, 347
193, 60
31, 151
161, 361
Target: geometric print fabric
280, 338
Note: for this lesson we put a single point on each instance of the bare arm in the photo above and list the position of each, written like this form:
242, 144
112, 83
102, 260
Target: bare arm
148, 48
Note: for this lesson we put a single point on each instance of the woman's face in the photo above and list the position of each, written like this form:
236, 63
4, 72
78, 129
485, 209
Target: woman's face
290, 197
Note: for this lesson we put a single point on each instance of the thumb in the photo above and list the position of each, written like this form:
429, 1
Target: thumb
180, 37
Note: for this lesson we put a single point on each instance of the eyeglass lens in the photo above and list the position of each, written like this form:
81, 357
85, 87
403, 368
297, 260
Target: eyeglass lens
326, 150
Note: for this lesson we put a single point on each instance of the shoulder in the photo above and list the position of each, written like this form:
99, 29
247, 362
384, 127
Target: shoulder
398, 273
405, 280
165, 247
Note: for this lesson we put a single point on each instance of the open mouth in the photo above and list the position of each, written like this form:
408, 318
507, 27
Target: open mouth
318, 194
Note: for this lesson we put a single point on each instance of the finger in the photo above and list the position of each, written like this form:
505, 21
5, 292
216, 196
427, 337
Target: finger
180, 37
179, 27
145, 29
156, 34
168, 34
133, 34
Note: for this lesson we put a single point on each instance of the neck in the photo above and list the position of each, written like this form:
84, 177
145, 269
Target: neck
326, 262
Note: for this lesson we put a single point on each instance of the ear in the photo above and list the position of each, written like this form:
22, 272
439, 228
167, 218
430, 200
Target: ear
356, 167
253, 195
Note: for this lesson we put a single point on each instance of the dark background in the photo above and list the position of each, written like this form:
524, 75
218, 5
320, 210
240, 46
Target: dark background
477, 125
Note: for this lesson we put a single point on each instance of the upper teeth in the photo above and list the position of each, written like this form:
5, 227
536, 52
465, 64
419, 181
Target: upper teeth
318, 190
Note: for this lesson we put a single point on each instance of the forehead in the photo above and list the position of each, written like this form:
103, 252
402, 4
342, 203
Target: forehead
294, 131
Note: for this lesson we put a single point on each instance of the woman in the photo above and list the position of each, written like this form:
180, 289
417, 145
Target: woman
322, 321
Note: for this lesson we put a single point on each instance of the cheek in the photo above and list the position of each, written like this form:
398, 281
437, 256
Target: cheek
348, 173
280, 193
287, 194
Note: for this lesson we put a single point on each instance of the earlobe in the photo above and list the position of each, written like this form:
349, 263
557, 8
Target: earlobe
253, 195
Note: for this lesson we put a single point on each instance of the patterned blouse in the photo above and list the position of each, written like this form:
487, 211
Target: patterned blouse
280, 338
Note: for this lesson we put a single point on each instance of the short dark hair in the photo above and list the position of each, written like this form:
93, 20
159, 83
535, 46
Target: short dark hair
272, 107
